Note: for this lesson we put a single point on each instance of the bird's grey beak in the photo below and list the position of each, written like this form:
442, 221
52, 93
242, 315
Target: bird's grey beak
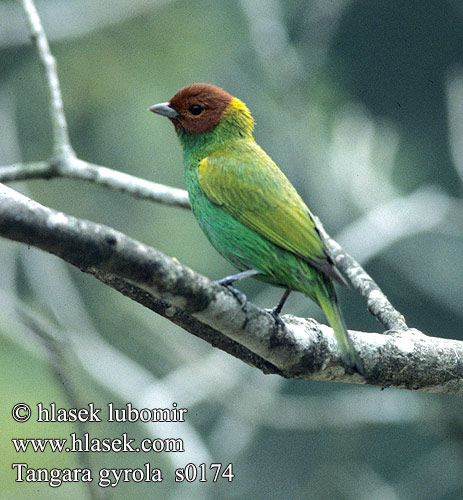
164, 109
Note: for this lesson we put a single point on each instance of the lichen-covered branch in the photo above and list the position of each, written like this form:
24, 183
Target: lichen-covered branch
301, 348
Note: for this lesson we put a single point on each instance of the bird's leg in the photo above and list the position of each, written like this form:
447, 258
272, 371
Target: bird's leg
275, 312
228, 280
277, 309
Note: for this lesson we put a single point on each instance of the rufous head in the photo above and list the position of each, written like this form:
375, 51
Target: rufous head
197, 108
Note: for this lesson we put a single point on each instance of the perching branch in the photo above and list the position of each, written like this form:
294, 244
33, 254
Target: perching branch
301, 349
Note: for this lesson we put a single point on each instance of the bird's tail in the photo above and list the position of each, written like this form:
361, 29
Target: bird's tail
333, 314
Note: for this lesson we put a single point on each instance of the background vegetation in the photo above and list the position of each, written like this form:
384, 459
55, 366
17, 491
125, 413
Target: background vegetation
361, 104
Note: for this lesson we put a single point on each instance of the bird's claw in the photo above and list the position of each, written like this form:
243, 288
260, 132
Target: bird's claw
276, 316
226, 282
240, 296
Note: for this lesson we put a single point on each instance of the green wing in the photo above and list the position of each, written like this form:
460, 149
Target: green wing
253, 190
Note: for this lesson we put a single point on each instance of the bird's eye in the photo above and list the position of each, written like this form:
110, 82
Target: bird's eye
195, 109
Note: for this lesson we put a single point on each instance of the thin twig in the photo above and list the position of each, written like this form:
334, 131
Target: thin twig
24, 171
64, 162
61, 142
377, 302
73, 168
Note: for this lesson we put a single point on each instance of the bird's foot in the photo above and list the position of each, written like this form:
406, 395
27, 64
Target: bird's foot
240, 296
358, 366
275, 312
352, 360
227, 281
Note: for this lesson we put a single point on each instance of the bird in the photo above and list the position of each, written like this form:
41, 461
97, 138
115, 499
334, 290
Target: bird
248, 209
